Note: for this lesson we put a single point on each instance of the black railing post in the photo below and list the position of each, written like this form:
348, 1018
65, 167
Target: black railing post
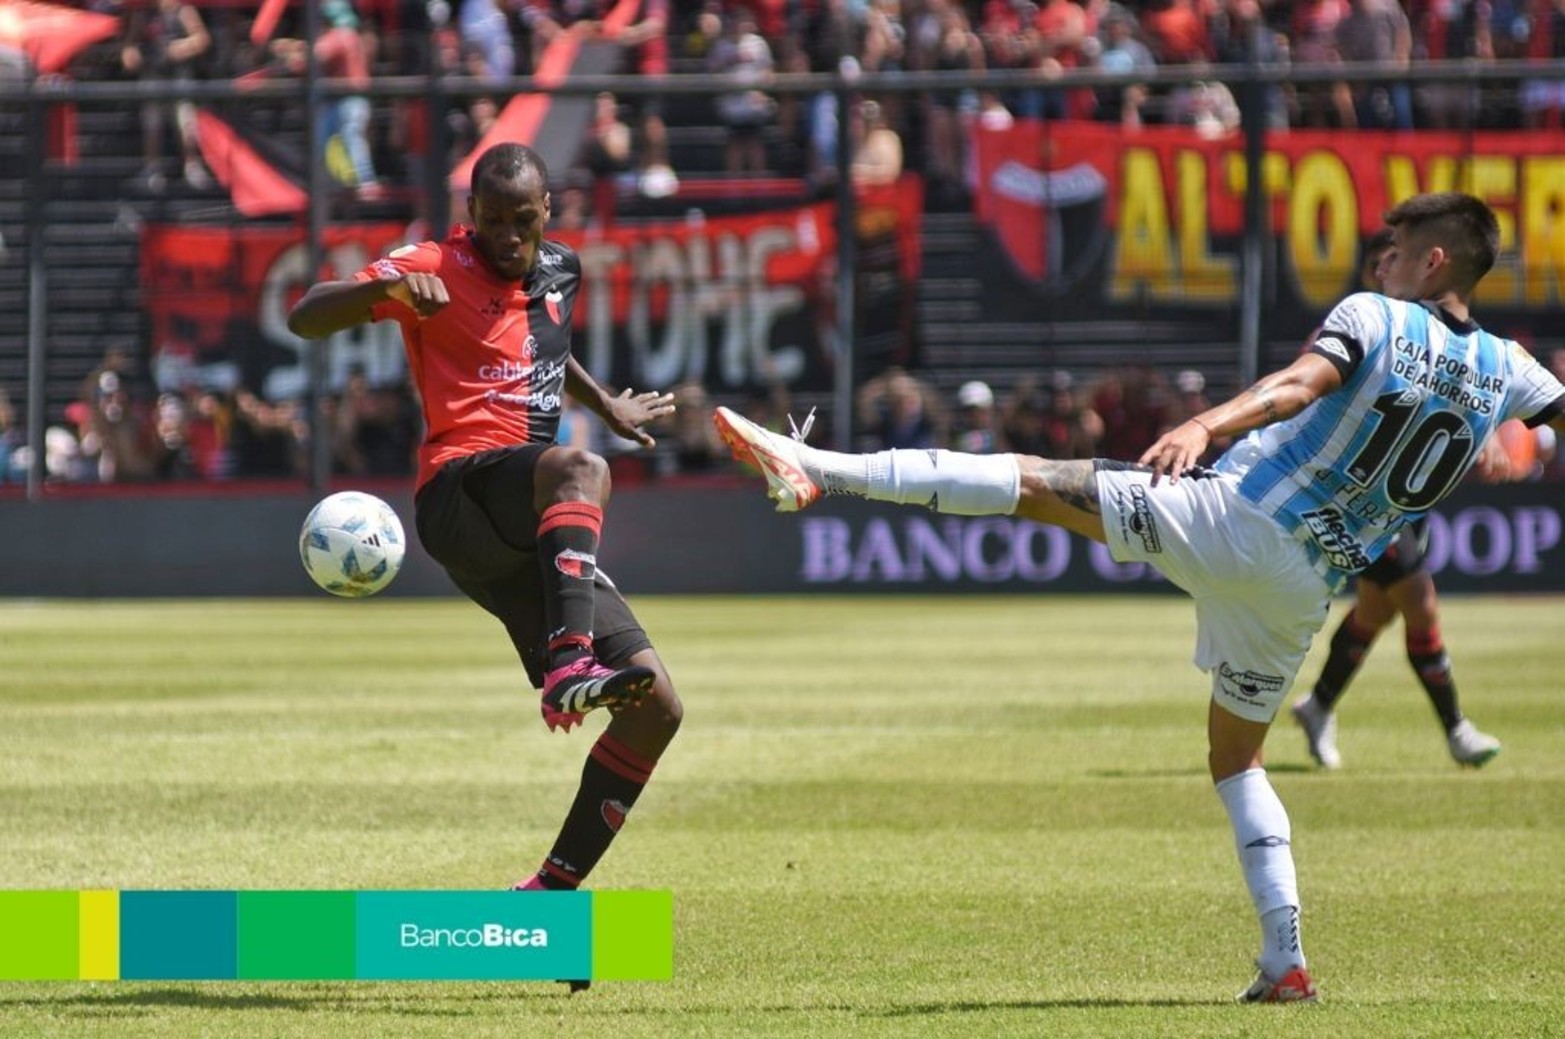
315, 249
1253, 116
37, 296
847, 259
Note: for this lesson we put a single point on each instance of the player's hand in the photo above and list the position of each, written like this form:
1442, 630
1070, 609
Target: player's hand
425, 293
1177, 450
630, 411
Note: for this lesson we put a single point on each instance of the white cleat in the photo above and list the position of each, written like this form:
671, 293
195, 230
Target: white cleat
788, 483
1470, 747
1320, 732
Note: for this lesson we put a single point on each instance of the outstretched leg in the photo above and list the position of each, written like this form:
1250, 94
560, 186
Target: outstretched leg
951, 482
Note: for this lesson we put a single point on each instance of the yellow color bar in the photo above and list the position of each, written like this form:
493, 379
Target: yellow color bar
98, 915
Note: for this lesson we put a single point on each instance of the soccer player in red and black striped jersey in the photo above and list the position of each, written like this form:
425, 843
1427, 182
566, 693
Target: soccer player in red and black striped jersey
513, 517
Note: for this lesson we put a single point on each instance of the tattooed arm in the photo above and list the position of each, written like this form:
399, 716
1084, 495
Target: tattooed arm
1278, 396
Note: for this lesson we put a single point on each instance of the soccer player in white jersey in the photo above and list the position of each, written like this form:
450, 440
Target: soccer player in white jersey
1365, 432
1398, 583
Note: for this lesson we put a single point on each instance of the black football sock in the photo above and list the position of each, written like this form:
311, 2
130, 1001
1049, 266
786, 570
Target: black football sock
611, 780
568, 552
1348, 645
1432, 664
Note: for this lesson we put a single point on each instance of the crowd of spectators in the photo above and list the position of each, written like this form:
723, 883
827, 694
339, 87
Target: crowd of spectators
751, 41
124, 428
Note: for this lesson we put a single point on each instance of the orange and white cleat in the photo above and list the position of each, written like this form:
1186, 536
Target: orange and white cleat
788, 481
1293, 987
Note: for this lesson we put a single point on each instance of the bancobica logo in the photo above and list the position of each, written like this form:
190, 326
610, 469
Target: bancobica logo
486, 936
1335, 541
1137, 520
1248, 686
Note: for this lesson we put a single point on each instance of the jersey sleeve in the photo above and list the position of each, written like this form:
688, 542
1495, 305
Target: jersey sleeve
1536, 396
1353, 328
408, 259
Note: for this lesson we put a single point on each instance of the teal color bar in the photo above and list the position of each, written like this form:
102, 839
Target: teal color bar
178, 935
296, 935
474, 935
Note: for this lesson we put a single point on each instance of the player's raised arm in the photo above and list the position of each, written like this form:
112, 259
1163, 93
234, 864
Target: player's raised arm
331, 306
1276, 397
625, 413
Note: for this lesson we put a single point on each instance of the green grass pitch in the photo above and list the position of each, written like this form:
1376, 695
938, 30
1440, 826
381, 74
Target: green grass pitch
884, 817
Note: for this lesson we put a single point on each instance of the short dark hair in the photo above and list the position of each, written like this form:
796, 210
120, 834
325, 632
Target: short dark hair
509, 161
1377, 243
1461, 224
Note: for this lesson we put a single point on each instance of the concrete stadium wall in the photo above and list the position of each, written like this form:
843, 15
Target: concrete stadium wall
689, 538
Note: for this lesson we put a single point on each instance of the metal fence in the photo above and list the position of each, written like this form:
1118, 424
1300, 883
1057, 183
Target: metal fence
39, 186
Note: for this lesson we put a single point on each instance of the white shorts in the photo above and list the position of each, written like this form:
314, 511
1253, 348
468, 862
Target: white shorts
1258, 601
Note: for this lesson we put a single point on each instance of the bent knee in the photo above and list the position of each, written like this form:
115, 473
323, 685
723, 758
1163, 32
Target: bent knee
573, 472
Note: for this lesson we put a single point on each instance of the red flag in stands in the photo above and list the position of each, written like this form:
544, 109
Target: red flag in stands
258, 188
50, 34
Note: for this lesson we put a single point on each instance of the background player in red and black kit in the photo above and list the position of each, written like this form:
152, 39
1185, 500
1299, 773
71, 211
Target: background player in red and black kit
1396, 583
513, 517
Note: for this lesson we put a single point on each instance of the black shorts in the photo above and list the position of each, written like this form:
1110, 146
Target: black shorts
1403, 558
475, 518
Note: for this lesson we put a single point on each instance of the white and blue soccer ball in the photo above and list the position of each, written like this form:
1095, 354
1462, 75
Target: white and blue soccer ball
352, 544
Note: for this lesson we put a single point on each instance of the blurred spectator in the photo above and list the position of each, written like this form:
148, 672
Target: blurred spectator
175, 458
116, 435
1543, 100
606, 153
269, 440
373, 431
900, 411
1378, 31
1123, 52
165, 44
1191, 400
697, 446
1209, 107
1314, 34
343, 53
975, 430
1070, 428
1176, 30
648, 38
578, 426
1066, 36
877, 152
1134, 405
743, 55
488, 48
1241, 36
12, 439
955, 48
1448, 30
1022, 420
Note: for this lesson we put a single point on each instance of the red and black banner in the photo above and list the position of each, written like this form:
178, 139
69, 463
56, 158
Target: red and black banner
1090, 214
735, 301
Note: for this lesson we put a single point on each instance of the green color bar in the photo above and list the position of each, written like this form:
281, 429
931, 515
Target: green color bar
632, 935
39, 936
296, 935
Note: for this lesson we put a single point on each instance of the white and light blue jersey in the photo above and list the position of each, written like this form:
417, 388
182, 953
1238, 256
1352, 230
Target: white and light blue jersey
1420, 394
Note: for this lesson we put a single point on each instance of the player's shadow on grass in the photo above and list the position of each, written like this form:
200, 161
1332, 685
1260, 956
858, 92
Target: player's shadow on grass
122, 1004
1179, 773
973, 1006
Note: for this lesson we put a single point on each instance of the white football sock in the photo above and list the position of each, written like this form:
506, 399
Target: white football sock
1262, 835
946, 481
